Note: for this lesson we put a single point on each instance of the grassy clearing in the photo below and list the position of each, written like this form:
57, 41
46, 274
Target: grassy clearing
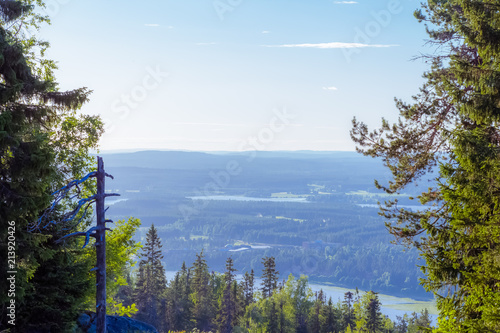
196, 237
316, 187
375, 195
289, 218
415, 306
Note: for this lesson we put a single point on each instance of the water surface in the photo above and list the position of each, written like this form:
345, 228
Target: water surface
242, 198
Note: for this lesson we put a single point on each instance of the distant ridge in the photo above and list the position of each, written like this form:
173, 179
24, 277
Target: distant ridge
202, 160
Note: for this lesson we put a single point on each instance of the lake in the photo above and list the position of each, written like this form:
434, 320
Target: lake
112, 202
242, 198
412, 207
392, 306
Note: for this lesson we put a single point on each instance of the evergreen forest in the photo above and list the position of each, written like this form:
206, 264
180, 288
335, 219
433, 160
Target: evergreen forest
413, 213
200, 300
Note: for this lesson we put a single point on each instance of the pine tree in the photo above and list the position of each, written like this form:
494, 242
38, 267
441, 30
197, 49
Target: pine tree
272, 325
302, 295
453, 126
348, 318
314, 317
418, 322
204, 309
228, 311
401, 324
248, 285
269, 277
151, 281
330, 318
374, 316
179, 304
55, 309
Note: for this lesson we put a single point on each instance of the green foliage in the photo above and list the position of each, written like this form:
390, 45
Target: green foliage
54, 309
120, 252
292, 307
178, 300
330, 317
269, 277
202, 295
372, 310
151, 281
229, 302
248, 287
355, 248
43, 143
453, 124
279, 311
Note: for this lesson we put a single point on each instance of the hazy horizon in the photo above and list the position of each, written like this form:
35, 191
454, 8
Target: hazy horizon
249, 75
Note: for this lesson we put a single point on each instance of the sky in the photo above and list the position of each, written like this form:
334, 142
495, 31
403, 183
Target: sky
232, 75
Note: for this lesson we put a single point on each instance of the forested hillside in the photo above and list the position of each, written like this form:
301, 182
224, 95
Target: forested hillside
327, 236
196, 300
242, 233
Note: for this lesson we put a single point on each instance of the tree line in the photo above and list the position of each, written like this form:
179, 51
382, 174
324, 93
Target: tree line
197, 299
450, 132
452, 125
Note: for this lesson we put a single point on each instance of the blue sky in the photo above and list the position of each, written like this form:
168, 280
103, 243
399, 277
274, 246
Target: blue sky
237, 74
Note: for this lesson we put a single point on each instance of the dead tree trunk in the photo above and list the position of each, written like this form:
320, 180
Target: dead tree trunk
100, 235
98, 232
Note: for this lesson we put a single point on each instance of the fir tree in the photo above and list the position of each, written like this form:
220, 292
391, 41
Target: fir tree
42, 143
314, 318
204, 309
151, 281
228, 311
401, 324
269, 277
374, 316
248, 285
330, 318
348, 318
452, 128
179, 304
272, 325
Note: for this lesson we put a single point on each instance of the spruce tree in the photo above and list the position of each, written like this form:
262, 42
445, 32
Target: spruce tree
374, 316
228, 311
204, 309
151, 281
348, 318
179, 304
269, 277
43, 142
248, 285
330, 318
401, 324
451, 128
273, 323
314, 317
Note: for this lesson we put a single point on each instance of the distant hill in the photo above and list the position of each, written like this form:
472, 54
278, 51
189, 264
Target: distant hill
334, 234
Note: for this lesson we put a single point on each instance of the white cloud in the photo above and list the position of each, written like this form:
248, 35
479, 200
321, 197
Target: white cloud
210, 124
330, 88
345, 2
333, 45
156, 25
210, 43
266, 32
